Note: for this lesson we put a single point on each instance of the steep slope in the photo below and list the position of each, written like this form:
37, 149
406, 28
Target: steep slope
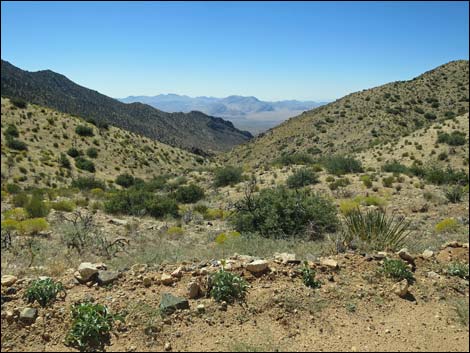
193, 131
364, 119
48, 133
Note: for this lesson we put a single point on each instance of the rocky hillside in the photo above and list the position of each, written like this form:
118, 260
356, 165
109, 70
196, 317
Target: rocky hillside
193, 131
367, 118
46, 134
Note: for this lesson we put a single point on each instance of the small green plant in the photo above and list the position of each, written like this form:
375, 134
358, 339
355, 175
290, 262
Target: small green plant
88, 183
339, 165
454, 193
458, 269
44, 291
375, 229
36, 207
226, 286
228, 176
189, 194
456, 138
308, 276
447, 225
396, 269
91, 326
92, 152
301, 178
125, 180
64, 161
84, 130
85, 164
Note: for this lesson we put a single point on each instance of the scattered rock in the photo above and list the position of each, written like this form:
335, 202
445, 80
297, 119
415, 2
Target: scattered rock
257, 266
452, 244
107, 277
286, 258
86, 271
329, 263
166, 279
427, 254
8, 280
433, 275
201, 308
120, 222
406, 256
28, 315
147, 281
167, 346
178, 273
139, 268
223, 306
401, 288
169, 303
193, 290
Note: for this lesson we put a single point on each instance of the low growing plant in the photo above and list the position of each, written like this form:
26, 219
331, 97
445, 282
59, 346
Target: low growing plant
44, 291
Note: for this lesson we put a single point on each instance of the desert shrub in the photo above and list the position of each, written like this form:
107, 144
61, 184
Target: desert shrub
226, 286
454, 193
301, 178
347, 206
395, 167
32, 226
227, 176
18, 102
44, 291
160, 206
88, 183
339, 183
367, 181
294, 158
73, 152
370, 200
84, 164
83, 130
201, 208
63, 205
91, 326
92, 152
18, 214
189, 194
396, 269
125, 180
213, 213
175, 231
13, 188
458, 269
447, 225
437, 175
16, 144
11, 131
64, 161
36, 207
283, 213
339, 165
20, 200
430, 116
456, 138
308, 276
388, 181
375, 230
223, 237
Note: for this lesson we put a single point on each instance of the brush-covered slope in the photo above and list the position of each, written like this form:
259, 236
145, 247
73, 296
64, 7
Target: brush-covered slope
367, 118
48, 133
193, 131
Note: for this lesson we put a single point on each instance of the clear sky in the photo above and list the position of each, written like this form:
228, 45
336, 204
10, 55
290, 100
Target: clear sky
271, 50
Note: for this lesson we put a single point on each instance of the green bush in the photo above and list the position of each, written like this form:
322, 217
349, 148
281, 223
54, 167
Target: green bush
395, 167
83, 130
63, 205
189, 194
227, 176
64, 161
458, 269
396, 269
88, 183
437, 175
85, 164
294, 158
454, 193
91, 326
160, 206
73, 152
44, 291
456, 138
16, 144
339, 183
18, 102
284, 213
13, 188
125, 180
339, 165
11, 131
374, 230
301, 178
308, 276
226, 286
92, 152
388, 181
36, 207
430, 116
20, 200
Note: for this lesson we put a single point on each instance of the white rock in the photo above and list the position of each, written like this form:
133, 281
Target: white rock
8, 280
166, 279
329, 263
178, 273
401, 288
120, 222
257, 266
87, 270
427, 254
284, 257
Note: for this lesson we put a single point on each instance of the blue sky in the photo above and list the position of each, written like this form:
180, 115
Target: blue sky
271, 50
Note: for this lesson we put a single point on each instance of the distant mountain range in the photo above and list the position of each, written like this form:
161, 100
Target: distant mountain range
248, 113
193, 131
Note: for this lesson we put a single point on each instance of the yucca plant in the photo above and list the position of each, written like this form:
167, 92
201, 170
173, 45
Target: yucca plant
375, 229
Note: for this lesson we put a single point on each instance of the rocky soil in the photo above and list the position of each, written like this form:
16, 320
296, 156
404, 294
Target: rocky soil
355, 309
